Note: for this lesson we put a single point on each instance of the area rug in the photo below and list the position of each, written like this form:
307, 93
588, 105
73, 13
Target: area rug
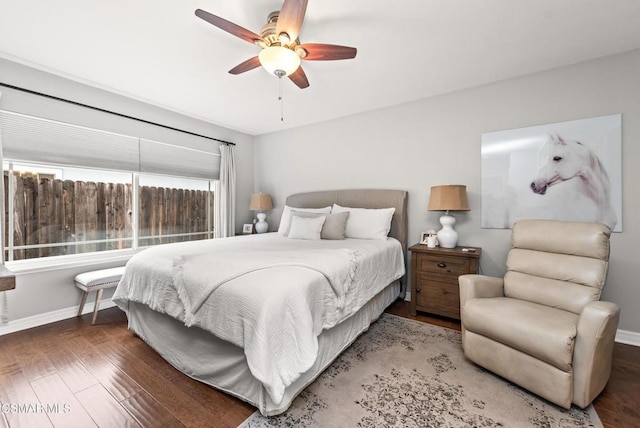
405, 373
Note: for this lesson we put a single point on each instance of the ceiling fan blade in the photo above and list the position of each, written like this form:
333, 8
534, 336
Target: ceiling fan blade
290, 18
322, 52
299, 78
229, 27
247, 65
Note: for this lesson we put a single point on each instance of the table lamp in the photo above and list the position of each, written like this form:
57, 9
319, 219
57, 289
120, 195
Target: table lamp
452, 197
260, 202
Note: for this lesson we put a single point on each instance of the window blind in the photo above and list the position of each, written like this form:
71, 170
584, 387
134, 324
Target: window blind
168, 159
33, 139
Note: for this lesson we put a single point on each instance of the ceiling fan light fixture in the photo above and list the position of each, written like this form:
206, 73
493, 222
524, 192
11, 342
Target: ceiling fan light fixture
279, 60
284, 38
300, 52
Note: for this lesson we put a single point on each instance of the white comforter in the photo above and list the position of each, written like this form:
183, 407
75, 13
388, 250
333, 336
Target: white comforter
274, 313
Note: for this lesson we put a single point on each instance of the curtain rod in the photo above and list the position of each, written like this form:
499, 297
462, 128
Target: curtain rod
29, 91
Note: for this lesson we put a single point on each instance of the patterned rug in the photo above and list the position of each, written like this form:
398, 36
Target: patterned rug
405, 373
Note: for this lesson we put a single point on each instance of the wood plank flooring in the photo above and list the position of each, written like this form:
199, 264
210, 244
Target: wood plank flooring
105, 376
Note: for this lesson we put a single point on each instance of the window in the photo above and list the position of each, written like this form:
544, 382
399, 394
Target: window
53, 211
56, 209
174, 209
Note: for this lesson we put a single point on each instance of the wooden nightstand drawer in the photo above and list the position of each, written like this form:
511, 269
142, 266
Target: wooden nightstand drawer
438, 297
443, 265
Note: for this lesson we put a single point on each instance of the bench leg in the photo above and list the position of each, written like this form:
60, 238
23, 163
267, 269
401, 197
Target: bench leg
96, 306
82, 302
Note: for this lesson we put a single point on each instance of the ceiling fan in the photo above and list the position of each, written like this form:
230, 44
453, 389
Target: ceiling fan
281, 48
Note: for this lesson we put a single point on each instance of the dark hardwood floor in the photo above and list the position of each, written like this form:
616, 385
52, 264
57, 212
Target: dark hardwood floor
103, 375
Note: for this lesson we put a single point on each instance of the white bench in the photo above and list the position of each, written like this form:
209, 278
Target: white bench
97, 280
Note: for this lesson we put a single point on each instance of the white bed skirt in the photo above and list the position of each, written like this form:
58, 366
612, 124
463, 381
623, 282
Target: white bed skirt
218, 363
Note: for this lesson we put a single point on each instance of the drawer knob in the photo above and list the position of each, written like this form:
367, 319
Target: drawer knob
442, 265
417, 290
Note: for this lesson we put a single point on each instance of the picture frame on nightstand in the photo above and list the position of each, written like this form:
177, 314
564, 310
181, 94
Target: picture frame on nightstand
425, 235
247, 229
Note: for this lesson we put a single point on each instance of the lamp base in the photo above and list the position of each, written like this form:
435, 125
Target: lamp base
261, 226
447, 237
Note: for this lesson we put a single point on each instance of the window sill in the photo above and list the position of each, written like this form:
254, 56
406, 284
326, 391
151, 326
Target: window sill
21, 267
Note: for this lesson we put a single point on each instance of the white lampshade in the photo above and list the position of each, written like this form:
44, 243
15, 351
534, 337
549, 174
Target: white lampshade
278, 58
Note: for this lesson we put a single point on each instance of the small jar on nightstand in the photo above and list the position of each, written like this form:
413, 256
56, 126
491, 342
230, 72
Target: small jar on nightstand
434, 278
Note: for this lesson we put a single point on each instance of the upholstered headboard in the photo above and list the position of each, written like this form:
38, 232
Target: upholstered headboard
361, 198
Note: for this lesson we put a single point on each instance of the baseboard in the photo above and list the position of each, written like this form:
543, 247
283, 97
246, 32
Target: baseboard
628, 337
49, 317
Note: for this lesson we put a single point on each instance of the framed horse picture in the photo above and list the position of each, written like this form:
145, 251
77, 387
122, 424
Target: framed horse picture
563, 171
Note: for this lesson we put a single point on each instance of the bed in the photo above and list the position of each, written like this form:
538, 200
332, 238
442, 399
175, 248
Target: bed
261, 316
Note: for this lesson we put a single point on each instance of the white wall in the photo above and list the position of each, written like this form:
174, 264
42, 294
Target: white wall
437, 141
44, 292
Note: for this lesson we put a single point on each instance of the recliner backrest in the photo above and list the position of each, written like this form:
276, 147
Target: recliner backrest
557, 263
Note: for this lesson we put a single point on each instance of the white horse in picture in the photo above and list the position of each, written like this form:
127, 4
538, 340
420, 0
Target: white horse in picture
568, 161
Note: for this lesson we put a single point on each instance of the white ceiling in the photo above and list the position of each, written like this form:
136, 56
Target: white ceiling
159, 52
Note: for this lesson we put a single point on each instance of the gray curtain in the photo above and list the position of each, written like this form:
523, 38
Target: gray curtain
225, 218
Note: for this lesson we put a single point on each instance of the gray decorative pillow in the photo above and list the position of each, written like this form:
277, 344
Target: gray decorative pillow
334, 225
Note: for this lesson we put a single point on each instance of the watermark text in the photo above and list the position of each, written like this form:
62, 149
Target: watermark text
35, 408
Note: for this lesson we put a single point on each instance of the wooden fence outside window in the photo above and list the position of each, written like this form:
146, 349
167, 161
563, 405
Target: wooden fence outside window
67, 217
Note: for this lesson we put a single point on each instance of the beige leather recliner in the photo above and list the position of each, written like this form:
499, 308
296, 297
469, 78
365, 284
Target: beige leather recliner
542, 326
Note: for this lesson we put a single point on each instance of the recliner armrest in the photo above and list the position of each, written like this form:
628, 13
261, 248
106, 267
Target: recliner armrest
593, 350
479, 286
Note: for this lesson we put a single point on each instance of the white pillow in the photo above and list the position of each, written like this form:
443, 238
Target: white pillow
366, 223
306, 228
285, 219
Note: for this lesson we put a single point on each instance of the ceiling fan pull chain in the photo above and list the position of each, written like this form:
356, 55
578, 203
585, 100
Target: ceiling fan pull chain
281, 99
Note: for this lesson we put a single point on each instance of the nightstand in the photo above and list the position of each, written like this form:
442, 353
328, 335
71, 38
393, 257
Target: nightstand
434, 278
